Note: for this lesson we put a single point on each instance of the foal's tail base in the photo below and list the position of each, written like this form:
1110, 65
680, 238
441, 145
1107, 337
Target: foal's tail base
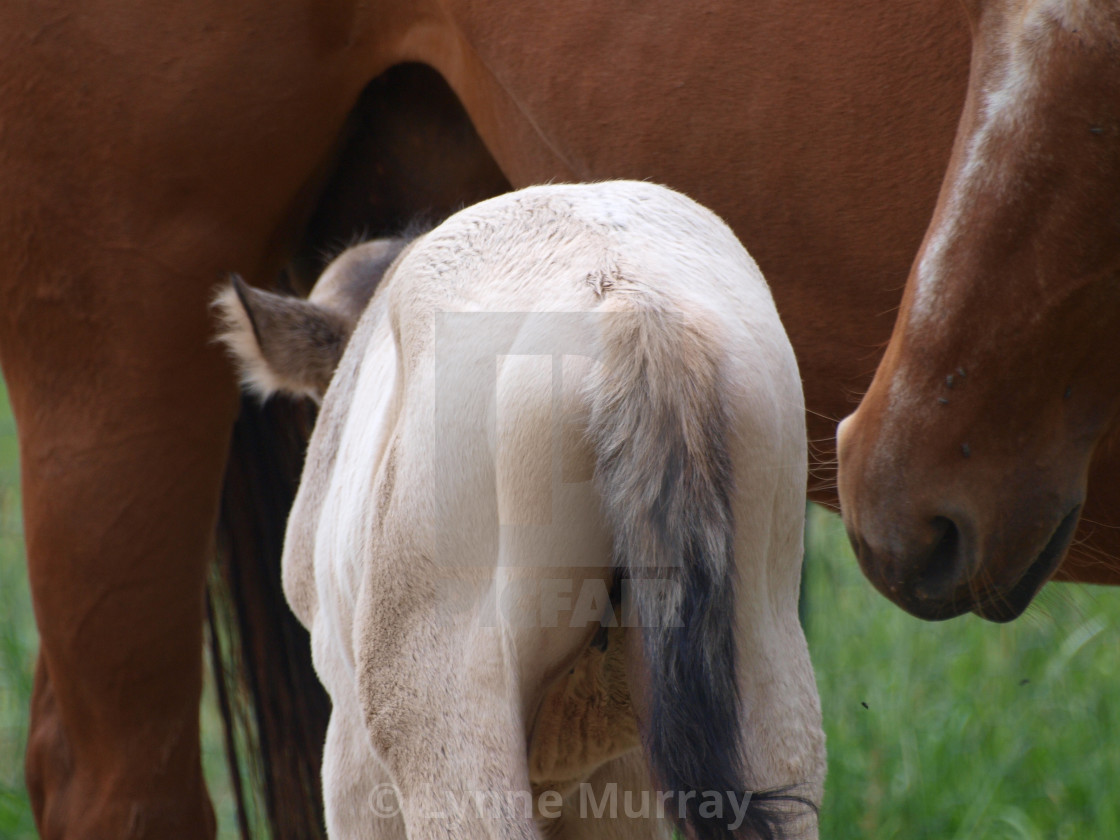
661, 428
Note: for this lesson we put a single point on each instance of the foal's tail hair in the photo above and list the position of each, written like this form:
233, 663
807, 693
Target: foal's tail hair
661, 428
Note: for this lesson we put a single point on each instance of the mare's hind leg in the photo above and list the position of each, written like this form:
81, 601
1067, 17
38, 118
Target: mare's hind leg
124, 198
122, 439
128, 187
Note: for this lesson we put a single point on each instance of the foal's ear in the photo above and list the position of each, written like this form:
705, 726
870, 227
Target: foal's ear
348, 283
280, 343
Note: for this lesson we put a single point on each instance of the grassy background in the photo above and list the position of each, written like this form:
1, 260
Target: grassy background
938, 731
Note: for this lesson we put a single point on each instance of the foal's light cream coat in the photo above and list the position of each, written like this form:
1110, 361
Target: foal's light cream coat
550, 388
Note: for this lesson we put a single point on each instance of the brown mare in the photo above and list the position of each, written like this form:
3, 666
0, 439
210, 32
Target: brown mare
145, 154
989, 426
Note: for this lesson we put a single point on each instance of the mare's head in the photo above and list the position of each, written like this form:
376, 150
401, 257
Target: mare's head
963, 471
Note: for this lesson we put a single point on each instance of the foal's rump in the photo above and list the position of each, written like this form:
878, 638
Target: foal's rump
668, 357
551, 520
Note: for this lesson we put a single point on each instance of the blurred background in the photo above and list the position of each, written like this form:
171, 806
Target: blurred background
941, 731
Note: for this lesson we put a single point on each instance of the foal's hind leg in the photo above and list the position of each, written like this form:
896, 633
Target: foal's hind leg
616, 803
360, 800
437, 685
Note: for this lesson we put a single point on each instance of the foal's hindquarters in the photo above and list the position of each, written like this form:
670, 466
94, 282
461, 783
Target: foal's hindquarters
468, 504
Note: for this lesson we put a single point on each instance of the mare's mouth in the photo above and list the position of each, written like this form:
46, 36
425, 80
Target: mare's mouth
1008, 605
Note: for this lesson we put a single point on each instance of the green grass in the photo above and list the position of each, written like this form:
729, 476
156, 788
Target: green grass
940, 731
18, 641
964, 729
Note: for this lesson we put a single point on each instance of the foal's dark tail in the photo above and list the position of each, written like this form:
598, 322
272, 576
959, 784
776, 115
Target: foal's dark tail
661, 433
274, 709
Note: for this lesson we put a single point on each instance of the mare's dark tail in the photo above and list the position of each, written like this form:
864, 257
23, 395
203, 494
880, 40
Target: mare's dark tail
274, 709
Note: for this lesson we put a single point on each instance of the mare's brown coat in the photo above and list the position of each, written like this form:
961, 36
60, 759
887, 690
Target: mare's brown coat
146, 152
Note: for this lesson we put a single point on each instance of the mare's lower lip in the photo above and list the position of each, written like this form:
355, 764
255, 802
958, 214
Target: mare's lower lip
1008, 606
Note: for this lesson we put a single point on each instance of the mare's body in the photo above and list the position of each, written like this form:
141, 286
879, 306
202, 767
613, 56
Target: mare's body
145, 153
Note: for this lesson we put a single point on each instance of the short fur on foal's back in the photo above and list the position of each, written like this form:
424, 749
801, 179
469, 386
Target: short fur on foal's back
615, 332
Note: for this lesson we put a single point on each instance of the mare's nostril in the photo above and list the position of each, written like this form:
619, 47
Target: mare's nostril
941, 572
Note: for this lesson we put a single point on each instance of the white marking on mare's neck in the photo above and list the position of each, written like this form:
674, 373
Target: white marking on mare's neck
1085, 17
1012, 69
1016, 52
1014, 59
